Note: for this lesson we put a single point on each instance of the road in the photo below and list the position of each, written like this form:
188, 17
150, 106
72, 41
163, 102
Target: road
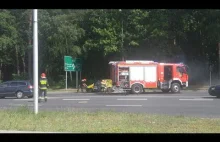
187, 103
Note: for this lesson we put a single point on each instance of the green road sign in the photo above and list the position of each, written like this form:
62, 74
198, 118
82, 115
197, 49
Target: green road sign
68, 64
71, 64
78, 64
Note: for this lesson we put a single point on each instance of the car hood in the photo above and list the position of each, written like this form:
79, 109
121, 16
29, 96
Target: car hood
217, 87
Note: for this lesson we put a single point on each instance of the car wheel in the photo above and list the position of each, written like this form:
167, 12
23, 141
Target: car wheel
211, 91
175, 88
19, 94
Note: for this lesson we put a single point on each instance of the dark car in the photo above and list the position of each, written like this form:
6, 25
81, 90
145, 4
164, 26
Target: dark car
214, 91
17, 89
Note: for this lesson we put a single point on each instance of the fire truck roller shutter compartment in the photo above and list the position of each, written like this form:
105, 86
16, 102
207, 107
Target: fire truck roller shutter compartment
136, 73
150, 76
137, 76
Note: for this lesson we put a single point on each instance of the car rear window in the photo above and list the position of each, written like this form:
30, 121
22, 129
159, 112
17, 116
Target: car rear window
22, 83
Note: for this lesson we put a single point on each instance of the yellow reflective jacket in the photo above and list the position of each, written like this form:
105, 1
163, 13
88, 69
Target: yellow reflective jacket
43, 83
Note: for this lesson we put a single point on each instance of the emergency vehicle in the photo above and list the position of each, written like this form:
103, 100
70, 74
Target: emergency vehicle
136, 76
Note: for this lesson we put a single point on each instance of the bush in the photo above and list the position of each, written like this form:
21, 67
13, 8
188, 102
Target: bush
22, 76
59, 82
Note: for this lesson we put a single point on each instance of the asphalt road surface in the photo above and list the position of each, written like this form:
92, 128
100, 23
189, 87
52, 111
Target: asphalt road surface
187, 103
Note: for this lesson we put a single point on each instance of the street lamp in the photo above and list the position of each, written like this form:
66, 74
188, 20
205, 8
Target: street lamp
35, 54
122, 36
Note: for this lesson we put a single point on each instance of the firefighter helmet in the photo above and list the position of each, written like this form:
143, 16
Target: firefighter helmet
84, 79
43, 75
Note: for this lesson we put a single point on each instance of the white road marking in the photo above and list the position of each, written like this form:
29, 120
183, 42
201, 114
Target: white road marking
117, 96
199, 99
132, 99
82, 102
33, 99
76, 99
23, 105
125, 105
23, 99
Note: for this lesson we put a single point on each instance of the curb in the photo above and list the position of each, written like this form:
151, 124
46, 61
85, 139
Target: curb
74, 91
63, 90
13, 131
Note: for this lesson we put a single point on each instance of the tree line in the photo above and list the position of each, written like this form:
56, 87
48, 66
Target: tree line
100, 35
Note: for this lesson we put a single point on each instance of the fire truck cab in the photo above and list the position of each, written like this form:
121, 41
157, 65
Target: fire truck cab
136, 76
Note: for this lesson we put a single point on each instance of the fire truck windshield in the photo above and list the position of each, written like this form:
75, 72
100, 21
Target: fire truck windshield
182, 69
186, 68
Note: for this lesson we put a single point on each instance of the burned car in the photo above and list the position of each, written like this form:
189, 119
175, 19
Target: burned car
214, 91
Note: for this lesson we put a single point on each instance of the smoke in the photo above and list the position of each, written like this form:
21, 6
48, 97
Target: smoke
199, 74
199, 70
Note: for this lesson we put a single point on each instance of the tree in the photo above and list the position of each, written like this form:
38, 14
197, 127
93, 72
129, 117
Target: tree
59, 35
8, 38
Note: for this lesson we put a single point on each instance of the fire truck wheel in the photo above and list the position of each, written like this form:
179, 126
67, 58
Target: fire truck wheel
137, 89
165, 90
175, 88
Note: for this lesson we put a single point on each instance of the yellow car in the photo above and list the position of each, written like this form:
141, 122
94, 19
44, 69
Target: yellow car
104, 86
90, 88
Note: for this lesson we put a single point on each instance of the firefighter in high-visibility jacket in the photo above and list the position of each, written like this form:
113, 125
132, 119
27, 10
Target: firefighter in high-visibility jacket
43, 86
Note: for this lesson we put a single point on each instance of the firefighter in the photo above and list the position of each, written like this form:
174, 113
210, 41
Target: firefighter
103, 85
43, 86
82, 85
99, 85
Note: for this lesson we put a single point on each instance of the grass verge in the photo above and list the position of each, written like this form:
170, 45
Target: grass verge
23, 119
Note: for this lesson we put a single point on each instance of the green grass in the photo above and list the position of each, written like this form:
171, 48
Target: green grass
103, 122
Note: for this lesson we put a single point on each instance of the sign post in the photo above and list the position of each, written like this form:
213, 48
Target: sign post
77, 79
71, 64
80, 77
78, 67
68, 65
66, 80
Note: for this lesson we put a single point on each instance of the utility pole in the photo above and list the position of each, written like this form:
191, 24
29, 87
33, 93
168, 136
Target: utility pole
35, 55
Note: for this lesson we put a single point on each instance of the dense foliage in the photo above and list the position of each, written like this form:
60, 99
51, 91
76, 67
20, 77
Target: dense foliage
98, 36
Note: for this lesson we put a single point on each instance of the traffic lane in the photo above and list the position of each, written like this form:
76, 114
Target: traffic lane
201, 108
148, 110
183, 93
110, 98
4, 101
105, 99
173, 106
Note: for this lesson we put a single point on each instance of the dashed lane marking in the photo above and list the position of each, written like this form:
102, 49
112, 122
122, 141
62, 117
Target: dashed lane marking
123, 105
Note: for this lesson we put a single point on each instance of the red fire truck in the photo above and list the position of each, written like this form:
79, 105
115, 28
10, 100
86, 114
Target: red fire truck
136, 76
